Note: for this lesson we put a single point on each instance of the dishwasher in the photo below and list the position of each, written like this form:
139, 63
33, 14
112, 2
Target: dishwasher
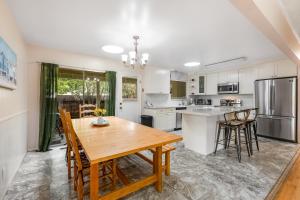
179, 118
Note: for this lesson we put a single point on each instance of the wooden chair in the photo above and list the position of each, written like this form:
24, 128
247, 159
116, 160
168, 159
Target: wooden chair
81, 164
166, 149
86, 110
69, 148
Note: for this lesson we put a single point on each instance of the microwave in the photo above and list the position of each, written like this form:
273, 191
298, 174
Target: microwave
228, 88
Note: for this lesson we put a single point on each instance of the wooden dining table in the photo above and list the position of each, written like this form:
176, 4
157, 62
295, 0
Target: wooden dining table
120, 138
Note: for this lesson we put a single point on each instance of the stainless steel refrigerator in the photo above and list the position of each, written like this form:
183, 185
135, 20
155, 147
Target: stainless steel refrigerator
277, 103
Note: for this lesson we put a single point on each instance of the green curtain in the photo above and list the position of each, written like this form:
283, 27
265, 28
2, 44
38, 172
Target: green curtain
48, 104
111, 102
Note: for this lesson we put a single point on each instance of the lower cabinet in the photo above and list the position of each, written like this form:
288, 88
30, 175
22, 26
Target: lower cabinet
163, 119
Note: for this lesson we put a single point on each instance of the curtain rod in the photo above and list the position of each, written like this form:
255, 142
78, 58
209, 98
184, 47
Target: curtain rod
72, 67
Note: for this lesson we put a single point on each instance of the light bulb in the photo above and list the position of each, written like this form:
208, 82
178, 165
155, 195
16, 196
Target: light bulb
124, 58
145, 57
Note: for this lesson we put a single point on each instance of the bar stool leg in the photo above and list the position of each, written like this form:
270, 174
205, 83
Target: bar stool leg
255, 134
238, 143
246, 133
229, 136
250, 138
217, 139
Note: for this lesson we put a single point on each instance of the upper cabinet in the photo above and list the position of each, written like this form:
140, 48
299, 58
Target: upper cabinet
201, 87
282, 68
286, 68
211, 84
156, 81
266, 70
207, 84
247, 77
228, 76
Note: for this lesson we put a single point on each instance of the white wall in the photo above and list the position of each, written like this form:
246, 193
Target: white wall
39, 54
13, 105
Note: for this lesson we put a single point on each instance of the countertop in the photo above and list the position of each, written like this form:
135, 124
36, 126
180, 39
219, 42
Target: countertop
211, 110
164, 107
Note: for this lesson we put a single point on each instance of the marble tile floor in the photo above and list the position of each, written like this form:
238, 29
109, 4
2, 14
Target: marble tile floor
193, 176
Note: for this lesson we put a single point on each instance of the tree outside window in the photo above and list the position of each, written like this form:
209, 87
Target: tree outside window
129, 88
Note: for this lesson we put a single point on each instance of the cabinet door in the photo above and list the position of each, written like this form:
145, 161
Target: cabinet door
286, 68
222, 77
201, 86
232, 76
212, 84
157, 81
246, 80
266, 70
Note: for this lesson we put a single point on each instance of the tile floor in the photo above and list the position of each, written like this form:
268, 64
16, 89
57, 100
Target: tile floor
193, 176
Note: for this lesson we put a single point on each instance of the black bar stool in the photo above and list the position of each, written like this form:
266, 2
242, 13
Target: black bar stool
252, 125
234, 122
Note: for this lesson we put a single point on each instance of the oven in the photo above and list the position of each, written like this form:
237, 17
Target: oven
228, 88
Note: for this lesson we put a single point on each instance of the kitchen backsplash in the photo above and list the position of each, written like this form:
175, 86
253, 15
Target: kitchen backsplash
165, 99
247, 99
162, 100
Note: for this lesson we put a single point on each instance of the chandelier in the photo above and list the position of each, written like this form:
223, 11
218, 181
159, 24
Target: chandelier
133, 58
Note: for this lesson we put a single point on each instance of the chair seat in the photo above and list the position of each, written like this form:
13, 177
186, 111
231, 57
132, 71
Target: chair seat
165, 148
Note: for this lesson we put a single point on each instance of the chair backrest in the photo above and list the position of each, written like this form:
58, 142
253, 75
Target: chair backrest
73, 141
242, 115
86, 110
230, 116
62, 113
253, 113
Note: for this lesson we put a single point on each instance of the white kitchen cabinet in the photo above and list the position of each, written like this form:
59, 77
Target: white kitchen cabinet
156, 81
285, 68
212, 84
282, 68
247, 77
266, 70
163, 118
228, 76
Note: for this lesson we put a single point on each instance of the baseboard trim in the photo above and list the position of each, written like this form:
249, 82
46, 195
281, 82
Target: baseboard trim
272, 194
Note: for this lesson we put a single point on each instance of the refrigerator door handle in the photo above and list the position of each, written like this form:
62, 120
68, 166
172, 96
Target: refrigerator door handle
274, 117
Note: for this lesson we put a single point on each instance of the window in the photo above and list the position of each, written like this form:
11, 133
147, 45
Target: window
178, 89
129, 88
81, 87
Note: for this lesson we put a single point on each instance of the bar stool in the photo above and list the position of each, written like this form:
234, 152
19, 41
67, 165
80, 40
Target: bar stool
252, 125
234, 122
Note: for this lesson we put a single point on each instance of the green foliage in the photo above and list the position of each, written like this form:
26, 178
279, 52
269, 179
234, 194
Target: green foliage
67, 86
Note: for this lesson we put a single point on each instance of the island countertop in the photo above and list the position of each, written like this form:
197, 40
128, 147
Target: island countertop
211, 110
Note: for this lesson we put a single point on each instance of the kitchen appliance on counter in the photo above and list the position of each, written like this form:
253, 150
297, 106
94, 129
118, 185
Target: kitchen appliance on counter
230, 102
228, 88
179, 119
276, 100
203, 102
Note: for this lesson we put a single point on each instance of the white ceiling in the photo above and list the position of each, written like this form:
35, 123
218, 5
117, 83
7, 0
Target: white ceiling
292, 10
172, 31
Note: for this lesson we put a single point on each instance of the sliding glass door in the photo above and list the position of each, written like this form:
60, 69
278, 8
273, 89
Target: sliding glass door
77, 87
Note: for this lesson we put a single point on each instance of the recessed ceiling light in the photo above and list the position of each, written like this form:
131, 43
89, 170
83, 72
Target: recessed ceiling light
112, 49
191, 64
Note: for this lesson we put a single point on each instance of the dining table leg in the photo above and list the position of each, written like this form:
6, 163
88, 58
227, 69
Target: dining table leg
158, 171
94, 181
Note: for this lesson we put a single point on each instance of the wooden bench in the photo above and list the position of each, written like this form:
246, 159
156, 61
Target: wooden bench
166, 149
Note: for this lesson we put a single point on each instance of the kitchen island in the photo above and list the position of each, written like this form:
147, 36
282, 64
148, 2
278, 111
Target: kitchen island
199, 125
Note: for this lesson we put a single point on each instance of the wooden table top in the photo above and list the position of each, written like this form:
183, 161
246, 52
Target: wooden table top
120, 138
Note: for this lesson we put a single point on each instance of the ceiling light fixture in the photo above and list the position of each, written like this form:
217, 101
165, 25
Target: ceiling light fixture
192, 64
112, 49
133, 58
